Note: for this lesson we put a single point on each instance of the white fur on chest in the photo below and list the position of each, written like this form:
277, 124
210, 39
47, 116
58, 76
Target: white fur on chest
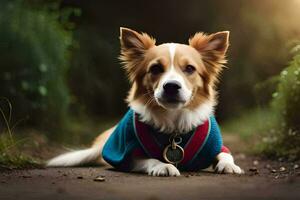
169, 121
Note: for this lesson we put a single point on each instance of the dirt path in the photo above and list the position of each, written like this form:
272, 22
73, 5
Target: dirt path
264, 180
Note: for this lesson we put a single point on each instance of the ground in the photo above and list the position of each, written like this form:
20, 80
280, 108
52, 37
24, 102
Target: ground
264, 179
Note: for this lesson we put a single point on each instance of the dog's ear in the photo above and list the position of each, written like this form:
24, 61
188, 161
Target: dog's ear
212, 49
132, 40
133, 47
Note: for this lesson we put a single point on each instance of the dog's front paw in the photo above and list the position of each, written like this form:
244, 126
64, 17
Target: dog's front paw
163, 169
228, 167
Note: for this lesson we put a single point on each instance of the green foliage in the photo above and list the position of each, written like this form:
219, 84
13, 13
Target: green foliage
34, 49
287, 98
11, 155
250, 123
284, 138
278, 125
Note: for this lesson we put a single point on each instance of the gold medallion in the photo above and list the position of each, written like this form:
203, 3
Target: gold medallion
173, 153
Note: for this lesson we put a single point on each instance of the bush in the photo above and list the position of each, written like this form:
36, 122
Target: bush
34, 49
284, 139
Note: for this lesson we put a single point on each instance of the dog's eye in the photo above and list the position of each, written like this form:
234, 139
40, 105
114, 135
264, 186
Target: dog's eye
189, 69
156, 69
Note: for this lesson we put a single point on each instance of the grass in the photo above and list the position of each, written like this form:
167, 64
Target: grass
252, 126
251, 123
257, 128
11, 155
28, 148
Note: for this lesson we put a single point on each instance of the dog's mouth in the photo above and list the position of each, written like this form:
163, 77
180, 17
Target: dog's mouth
170, 102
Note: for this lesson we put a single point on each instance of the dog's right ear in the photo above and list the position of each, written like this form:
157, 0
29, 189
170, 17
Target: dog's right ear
133, 47
131, 39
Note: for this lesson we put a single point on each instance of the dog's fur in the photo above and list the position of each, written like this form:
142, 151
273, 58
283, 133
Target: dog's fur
194, 68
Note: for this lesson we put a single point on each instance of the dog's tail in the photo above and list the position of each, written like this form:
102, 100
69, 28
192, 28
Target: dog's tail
92, 155
76, 158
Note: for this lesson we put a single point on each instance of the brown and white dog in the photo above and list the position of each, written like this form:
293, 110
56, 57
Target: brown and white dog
173, 89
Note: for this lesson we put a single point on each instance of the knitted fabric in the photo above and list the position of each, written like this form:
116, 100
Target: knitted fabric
134, 138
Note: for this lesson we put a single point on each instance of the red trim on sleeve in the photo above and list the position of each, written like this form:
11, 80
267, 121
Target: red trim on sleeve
225, 149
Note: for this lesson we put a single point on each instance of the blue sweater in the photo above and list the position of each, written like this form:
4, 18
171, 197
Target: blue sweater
201, 145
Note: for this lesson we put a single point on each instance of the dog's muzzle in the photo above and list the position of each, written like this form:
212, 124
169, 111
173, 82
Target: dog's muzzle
171, 91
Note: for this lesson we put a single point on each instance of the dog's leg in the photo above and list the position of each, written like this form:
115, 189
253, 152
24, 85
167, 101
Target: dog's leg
225, 164
154, 167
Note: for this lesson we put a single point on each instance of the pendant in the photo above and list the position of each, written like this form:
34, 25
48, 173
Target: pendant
173, 153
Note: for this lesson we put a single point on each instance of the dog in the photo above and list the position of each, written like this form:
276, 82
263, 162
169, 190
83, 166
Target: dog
170, 125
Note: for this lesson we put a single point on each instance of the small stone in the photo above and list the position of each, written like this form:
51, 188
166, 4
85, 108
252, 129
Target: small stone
99, 179
273, 171
79, 177
253, 169
296, 166
276, 177
255, 162
268, 166
282, 169
26, 176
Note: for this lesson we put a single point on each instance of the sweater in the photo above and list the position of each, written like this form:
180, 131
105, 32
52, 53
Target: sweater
132, 138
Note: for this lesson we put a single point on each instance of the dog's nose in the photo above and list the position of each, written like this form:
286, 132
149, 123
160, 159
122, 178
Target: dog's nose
172, 88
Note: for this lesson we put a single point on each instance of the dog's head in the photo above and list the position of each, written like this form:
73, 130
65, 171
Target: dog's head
172, 76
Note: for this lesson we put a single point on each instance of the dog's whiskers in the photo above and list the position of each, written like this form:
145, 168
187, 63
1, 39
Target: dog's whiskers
148, 93
149, 101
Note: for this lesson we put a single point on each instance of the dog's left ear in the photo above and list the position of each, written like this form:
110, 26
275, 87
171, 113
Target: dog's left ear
133, 47
212, 48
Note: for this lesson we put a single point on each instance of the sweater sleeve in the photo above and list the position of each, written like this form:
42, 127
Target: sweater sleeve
215, 127
121, 144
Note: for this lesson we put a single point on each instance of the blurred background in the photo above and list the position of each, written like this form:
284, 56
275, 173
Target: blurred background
60, 73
